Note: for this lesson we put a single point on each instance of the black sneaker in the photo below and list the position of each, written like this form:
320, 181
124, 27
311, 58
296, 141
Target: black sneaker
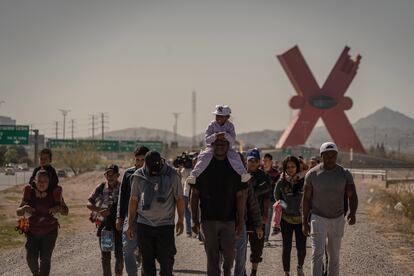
275, 231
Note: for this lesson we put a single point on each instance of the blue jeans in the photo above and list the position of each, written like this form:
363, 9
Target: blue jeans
187, 216
241, 251
269, 223
128, 249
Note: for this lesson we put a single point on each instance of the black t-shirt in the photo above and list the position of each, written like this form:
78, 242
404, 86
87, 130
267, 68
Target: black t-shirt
218, 186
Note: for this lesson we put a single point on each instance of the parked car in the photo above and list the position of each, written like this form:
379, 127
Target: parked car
9, 171
23, 167
62, 173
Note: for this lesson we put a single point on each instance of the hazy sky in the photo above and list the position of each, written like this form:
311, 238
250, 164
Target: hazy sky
140, 60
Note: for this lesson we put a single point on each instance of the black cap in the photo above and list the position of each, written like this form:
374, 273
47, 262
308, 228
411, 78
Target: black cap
153, 162
114, 168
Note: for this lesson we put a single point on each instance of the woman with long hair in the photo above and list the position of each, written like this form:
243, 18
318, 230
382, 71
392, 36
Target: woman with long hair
289, 190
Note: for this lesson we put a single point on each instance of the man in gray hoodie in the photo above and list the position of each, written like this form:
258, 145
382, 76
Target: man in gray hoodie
156, 193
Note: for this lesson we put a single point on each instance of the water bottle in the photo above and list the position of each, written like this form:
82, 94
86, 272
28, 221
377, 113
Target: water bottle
107, 240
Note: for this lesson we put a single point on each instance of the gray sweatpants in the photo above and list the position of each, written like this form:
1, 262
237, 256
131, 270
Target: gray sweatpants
219, 237
330, 231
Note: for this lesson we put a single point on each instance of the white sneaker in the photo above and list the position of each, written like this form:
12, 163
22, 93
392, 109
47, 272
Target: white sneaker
246, 177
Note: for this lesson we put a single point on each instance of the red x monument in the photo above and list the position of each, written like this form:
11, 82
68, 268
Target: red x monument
313, 102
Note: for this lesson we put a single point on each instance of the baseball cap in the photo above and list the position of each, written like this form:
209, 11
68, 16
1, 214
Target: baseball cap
153, 161
222, 110
328, 146
253, 153
112, 167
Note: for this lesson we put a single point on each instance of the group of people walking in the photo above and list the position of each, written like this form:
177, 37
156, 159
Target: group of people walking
228, 200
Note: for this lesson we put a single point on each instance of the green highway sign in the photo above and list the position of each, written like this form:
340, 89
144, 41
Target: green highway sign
286, 152
14, 135
306, 152
105, 145
130, 146
127, 146
62, 143
100, 145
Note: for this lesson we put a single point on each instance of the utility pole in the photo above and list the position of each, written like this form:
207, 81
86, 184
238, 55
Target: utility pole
56, 129
64, 113
72, 128
194, 110
103, 126
93, 126
175, 142
104, 116
399, 148
36, 146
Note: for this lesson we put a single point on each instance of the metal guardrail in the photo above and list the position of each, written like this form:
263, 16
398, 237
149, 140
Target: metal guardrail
369, 172
383, 174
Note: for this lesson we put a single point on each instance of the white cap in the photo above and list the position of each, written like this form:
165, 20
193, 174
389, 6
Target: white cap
222, 110
328, 146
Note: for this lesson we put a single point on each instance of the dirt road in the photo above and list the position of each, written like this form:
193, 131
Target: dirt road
365, 249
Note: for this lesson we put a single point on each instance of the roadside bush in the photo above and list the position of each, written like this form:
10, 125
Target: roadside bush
78, 160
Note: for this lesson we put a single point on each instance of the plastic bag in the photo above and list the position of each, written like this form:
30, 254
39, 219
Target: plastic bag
107, 240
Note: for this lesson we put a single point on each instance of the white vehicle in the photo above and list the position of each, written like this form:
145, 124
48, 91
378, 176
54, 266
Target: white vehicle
9, 171
23, 167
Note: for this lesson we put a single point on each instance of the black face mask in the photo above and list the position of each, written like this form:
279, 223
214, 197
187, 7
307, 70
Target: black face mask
153, 163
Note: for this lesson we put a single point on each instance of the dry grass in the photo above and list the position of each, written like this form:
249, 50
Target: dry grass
75, 191
396, 226
382, 208
10, 199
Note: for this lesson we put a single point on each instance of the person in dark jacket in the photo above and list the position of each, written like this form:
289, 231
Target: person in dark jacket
289, 189
262, 186
253, 223
274, 174
129, 246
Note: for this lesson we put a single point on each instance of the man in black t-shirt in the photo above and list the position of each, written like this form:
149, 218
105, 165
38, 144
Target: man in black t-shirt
220, 195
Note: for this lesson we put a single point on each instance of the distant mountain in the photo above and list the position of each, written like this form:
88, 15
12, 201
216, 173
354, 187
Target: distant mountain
144, 133
386, 126
386, 118
392, 128
261, 139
